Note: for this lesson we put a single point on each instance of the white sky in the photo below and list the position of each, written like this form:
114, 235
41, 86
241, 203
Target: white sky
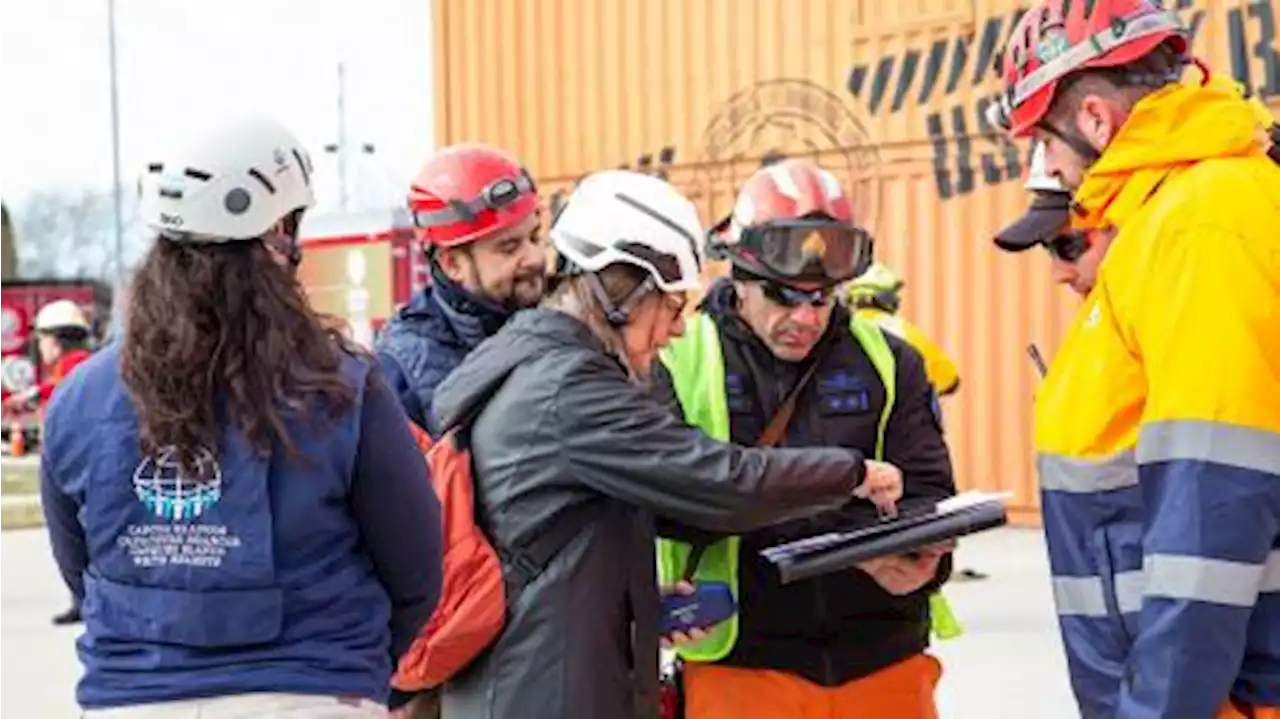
183, 58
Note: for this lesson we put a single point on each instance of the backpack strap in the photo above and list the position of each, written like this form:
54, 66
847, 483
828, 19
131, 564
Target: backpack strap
521, 565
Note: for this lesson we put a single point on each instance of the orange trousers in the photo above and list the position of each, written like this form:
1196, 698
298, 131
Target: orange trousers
902, 691
1231, 712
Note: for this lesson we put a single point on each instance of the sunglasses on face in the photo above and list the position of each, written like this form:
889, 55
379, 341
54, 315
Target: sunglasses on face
1068, 246
787, 296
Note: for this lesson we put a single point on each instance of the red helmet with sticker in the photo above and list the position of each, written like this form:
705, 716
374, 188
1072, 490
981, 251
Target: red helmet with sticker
467, 192
793, 221
1061, 37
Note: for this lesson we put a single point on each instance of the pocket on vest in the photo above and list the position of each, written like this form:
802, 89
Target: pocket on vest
210, 619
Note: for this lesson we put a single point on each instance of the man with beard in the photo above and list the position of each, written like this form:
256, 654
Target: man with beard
1157, 436
478, 210
773, 337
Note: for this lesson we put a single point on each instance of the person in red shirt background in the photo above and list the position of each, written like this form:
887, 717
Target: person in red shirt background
63, 334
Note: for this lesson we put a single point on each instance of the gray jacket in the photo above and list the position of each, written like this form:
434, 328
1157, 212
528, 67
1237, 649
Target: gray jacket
561, 427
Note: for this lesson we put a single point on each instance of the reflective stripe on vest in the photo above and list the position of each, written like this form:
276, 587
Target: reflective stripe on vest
696, 365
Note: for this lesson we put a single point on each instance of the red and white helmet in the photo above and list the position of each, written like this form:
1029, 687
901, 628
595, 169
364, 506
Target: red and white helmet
1060, 37
466, 192
793, 221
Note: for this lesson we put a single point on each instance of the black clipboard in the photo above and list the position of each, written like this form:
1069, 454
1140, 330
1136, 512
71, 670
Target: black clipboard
839, 551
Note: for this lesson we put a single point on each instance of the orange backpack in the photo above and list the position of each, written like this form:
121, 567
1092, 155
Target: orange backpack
473, 594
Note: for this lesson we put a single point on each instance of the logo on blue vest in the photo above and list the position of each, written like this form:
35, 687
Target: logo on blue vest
736, 394
842, 392
161, 486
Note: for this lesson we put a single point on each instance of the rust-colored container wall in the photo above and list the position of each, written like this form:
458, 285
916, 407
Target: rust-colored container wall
890, 95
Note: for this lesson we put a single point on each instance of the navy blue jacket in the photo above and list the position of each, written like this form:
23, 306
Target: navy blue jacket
259, 574
429, 337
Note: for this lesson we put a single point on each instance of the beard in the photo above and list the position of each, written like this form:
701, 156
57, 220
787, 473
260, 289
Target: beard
526, 291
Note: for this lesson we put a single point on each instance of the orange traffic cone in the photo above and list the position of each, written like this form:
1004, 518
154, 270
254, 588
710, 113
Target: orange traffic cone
17, 440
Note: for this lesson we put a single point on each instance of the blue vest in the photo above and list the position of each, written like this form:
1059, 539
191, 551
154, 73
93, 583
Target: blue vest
248, 578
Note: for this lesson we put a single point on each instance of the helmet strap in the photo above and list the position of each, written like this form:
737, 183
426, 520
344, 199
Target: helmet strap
618, 314
286, 245
283, 238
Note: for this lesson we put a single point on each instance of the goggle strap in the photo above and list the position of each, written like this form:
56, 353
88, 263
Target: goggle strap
459, 211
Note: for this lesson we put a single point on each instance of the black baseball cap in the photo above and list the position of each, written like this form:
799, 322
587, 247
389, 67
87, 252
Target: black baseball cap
1049, 214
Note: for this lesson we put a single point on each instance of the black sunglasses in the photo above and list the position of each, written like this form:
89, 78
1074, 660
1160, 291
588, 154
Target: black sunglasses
1068, 246
788, 296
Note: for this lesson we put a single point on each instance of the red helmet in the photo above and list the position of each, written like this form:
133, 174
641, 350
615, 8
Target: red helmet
793, 220
466, 192
1060, 37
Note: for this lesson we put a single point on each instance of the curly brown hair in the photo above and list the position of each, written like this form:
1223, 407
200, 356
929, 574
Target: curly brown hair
223, 332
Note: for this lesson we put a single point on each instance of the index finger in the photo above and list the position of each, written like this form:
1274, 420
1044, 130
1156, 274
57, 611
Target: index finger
681, 587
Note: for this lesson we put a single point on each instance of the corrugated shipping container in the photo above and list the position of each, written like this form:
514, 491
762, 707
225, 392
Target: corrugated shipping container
890, 95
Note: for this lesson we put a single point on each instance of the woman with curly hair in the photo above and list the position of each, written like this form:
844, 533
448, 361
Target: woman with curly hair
229, 486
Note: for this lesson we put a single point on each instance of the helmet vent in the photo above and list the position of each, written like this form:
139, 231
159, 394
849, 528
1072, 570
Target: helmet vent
195, 174
255, 174
579, 245
664, 221
302, 165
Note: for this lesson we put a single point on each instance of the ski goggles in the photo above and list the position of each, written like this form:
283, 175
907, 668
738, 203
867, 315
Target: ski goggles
819, 250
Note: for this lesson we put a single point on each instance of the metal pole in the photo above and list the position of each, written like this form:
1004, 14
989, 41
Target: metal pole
117, 190
342, 136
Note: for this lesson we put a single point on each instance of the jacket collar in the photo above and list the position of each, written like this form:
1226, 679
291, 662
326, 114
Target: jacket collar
1169, 130
472, 317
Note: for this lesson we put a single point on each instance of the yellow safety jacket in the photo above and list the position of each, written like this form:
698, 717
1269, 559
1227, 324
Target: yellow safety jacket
1158, 423
938, 364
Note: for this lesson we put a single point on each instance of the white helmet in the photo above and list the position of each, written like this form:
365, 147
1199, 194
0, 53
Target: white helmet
233, 183
61, 314
1038, 179
623, 216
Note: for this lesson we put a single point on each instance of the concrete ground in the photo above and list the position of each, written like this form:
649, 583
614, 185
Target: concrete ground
1007, 664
